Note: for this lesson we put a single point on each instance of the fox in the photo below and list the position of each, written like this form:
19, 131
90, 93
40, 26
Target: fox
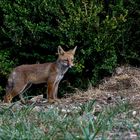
51, 73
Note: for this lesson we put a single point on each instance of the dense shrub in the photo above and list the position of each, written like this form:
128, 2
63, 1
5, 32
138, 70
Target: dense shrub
129, 45
32, 30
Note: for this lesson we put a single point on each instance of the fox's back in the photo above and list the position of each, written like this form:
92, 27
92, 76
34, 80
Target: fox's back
34, 73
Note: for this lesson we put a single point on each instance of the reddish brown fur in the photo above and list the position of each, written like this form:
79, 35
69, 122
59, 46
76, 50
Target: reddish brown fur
50, 73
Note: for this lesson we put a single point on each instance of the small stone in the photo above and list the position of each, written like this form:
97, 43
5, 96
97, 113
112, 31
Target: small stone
134, 113
36, 108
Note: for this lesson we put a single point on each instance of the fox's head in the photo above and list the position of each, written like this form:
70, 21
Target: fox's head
66, 58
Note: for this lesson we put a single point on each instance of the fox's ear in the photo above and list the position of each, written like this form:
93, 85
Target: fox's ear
60, 50
73, 51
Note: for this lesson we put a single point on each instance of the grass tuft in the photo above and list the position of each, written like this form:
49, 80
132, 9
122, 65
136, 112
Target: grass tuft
28, 124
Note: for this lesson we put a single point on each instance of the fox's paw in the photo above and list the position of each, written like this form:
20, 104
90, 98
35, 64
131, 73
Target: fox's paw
57, 101
7, 99
51, 101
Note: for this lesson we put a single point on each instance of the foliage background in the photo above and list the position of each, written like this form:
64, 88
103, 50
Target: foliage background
106, 33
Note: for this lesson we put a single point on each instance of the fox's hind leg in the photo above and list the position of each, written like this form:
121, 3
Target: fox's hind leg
24, 90
17, 89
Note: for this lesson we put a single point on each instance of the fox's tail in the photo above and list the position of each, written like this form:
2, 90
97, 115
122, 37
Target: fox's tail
11, 82
9, 88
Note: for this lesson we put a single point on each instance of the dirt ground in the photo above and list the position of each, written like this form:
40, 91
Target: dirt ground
123, 85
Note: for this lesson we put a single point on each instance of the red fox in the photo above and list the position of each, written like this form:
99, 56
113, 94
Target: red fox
51, 73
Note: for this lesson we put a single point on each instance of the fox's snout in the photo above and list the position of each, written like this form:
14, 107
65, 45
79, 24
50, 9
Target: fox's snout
71, 65
68, 63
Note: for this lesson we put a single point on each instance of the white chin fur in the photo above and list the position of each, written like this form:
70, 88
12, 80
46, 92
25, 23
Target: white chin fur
65, 64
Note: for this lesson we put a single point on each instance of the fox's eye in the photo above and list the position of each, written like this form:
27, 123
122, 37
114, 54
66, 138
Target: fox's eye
72, 60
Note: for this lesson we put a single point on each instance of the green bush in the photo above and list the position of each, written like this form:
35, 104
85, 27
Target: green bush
128, 46
32, 30
5, 67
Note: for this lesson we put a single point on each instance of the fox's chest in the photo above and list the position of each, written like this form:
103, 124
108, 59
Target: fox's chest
58, 78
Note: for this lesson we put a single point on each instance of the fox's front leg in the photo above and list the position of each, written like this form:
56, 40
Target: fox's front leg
55, 92
50, 91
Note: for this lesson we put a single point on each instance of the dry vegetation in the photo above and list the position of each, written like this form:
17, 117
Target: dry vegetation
123, 85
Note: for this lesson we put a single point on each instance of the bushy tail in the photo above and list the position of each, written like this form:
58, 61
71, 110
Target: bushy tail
10, 84
9, 88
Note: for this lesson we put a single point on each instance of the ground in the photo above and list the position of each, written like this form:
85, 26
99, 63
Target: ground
122, 86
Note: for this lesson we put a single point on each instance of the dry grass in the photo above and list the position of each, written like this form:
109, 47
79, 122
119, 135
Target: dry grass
123, 85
